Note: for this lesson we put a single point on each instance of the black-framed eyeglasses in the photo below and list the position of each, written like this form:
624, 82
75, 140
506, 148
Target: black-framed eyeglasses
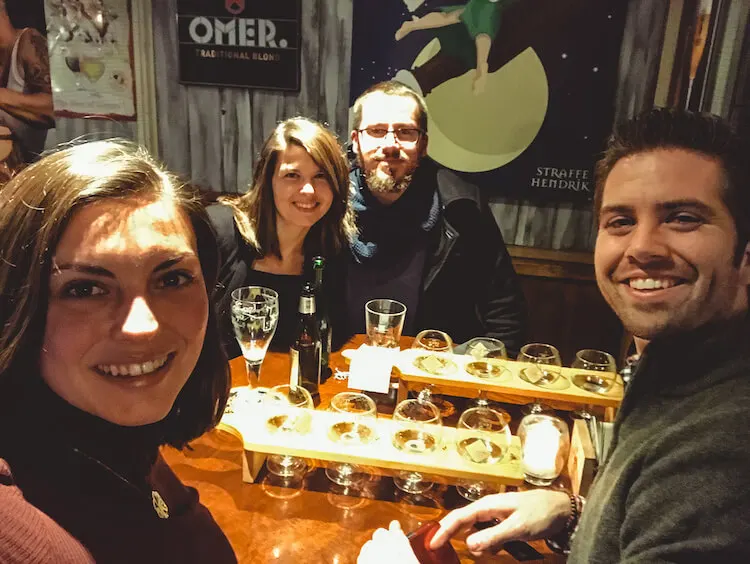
404, 135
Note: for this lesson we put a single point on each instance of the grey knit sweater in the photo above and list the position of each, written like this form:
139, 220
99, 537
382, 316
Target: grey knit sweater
676, 486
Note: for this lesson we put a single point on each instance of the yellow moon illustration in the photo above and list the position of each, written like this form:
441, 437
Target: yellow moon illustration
477, 133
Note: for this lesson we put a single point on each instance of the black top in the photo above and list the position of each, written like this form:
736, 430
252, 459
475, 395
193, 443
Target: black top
95, 479
397, 279
236, 271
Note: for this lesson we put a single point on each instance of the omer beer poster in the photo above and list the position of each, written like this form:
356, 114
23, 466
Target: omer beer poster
520, 92
243, 43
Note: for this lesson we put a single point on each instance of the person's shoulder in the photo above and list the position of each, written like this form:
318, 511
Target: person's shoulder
6, 478
222, 220
463, 205
454, 187
725, 382
31, 34
32, 39
715, 417
11, 497
27, 534
220, 213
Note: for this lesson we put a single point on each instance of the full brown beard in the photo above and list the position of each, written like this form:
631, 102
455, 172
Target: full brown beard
383, 183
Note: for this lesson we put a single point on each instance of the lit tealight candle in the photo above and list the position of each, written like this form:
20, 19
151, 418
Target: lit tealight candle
542, 440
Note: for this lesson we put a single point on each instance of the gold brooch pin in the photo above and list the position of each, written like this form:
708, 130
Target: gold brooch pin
160, 505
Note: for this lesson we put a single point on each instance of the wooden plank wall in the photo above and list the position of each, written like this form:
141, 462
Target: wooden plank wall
70, 129
212, 135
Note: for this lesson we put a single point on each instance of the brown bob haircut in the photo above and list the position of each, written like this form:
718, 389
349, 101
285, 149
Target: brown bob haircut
391, 88
35, 208
671, 128
255, 211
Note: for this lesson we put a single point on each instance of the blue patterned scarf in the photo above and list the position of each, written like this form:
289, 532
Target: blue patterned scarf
383, 230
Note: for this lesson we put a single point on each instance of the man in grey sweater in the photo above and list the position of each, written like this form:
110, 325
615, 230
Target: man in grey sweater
672, 259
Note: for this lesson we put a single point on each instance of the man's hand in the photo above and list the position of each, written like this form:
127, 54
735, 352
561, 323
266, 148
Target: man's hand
523, 516
387, 545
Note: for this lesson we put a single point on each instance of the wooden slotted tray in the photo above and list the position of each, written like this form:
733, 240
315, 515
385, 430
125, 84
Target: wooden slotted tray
511, 384
250, 422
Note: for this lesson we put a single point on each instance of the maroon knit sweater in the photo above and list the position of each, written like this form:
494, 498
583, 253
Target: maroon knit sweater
28, 536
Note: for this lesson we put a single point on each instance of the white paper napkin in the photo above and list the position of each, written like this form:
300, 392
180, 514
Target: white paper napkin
370, 368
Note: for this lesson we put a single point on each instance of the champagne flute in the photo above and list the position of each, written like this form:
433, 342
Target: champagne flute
286, 406
417, 431
255, 314
355, 425
482, 437
437, 343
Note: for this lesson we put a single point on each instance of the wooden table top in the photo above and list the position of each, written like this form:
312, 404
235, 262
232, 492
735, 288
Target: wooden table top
318, 522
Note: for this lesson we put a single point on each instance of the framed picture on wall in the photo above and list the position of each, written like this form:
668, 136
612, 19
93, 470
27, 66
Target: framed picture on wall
91, 58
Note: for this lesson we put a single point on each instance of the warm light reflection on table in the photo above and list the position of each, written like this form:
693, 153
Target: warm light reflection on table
269, 523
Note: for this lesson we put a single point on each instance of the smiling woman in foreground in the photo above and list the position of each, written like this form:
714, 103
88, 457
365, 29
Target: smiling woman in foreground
108, 350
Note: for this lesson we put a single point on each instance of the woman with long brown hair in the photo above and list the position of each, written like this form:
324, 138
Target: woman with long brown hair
108, 350
297, 208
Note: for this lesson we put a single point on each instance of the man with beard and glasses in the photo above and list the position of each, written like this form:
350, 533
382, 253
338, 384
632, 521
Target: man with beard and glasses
426, 236
672, 260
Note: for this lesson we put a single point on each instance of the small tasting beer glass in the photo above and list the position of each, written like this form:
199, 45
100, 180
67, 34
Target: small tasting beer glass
384, 320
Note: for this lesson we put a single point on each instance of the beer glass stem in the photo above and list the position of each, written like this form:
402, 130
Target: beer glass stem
253, 373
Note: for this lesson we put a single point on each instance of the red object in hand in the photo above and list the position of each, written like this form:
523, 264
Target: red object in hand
420, 544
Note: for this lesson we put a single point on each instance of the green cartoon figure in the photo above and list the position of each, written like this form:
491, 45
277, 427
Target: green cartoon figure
465, 33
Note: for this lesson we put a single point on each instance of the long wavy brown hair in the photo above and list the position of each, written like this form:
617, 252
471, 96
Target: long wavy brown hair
255, 211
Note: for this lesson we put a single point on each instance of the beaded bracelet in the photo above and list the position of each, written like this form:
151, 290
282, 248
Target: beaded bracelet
561, 542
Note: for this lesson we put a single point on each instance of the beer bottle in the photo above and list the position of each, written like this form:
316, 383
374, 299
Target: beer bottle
324, 320
306, 347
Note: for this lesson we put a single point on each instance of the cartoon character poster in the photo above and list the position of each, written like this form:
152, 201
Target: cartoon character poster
520, 92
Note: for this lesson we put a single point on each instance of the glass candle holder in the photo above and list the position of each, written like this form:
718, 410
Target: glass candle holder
545, 442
